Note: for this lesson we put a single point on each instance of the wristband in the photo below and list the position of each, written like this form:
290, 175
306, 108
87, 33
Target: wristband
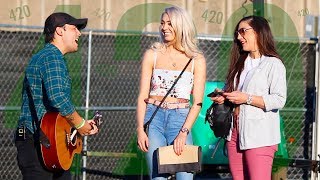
81, 124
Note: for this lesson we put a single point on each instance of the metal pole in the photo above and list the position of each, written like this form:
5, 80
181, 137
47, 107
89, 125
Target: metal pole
316, 123
84, 158
258, 8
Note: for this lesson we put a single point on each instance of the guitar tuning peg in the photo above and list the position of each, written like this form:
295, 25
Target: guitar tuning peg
98, 118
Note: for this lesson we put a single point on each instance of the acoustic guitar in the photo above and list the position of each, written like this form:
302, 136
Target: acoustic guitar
64, 141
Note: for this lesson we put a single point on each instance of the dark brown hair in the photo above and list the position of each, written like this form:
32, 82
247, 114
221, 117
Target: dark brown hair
266, 47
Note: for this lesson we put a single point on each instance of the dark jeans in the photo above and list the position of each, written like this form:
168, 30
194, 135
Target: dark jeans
30, 161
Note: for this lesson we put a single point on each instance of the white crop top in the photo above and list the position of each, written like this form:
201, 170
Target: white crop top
163, 79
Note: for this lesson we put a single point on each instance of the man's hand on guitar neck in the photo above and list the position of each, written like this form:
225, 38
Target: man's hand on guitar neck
84, 127
89, 128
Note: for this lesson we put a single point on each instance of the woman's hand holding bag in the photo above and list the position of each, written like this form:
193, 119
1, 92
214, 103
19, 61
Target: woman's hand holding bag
179, 143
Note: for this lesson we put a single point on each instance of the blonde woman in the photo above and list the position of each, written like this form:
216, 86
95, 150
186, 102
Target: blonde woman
161, 65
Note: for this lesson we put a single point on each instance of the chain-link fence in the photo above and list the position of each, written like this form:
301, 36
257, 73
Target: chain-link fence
114, 81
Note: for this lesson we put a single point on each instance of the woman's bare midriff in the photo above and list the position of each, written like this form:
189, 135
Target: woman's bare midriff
170, 99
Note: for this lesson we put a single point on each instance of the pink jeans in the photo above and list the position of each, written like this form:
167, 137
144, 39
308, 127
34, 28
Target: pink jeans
250, 164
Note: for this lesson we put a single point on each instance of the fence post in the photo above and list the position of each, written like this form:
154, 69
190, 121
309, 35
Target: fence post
84, 158
258, 7
316, 123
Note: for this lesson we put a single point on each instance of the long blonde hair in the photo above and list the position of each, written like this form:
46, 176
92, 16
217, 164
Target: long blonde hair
186, 40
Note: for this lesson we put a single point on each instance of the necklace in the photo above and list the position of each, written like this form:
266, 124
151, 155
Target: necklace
171, 60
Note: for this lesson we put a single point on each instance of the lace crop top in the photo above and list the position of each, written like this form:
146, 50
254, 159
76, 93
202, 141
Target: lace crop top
163, 79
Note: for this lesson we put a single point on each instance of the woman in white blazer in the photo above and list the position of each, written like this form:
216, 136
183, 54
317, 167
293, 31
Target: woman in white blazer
256, 84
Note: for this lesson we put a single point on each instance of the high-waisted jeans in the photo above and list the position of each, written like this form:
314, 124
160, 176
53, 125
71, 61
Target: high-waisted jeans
163, 130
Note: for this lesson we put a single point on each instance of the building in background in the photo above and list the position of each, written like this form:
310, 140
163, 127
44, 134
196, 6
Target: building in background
210, 16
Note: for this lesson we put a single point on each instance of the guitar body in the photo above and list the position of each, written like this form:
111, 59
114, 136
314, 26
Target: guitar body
60, 154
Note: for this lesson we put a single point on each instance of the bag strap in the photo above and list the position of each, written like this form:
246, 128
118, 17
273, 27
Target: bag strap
175, 82
43, 139
217, 145
216, 148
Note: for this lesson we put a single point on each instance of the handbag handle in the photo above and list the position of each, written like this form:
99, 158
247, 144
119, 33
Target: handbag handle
175, 82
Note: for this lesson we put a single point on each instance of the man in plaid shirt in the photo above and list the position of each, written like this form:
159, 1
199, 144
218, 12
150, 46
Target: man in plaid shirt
47, 88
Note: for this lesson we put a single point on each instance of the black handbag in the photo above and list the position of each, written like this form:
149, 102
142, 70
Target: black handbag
169, 162
146, 125
219, 117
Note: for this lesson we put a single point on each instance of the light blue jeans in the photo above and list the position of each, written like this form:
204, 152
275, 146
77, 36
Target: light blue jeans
163, 130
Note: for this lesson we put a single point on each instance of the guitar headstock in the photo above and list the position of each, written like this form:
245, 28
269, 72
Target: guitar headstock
97, 118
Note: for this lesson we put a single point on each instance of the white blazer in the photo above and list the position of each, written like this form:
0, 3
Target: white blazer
261, 127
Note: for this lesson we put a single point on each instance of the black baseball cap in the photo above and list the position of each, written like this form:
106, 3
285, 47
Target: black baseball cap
59, 19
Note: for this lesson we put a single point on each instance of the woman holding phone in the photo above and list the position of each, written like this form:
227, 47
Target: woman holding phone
256, 84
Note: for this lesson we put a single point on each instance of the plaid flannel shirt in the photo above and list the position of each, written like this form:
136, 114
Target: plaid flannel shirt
50, 84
